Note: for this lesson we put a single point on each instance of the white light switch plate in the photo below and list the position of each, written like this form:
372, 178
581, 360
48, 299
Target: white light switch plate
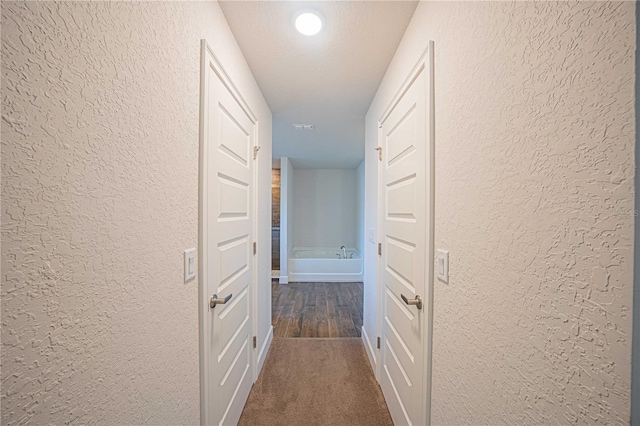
372, 235
189, 264
442, 265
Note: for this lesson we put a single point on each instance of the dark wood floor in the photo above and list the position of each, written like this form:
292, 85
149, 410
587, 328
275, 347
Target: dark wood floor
317, 309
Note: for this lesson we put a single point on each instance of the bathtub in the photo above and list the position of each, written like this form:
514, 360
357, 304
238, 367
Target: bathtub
324, 264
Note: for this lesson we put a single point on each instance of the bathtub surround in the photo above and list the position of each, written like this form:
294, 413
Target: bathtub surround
534, 161
312, 264
100, 104
321, 209
325, 208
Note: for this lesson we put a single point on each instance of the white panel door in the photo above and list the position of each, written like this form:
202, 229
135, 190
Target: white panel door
405, 225
228, 143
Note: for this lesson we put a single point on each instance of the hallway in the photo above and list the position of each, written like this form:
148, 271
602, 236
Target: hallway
454, 226
316, 382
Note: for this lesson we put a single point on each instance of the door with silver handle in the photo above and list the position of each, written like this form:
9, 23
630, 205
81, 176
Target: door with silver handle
417, 301
215, 300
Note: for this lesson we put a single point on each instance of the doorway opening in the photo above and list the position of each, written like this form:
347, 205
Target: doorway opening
318, 194
317, 246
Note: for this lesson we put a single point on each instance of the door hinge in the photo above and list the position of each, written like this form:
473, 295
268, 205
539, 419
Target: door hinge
379, 149
379, 249
255, 342
378, 343
255, 152
255, 248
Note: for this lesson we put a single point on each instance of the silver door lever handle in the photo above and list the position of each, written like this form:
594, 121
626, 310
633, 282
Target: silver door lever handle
417, 301
215, 300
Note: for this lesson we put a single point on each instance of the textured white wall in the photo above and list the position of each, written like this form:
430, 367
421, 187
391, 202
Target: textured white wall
325, 208
635, 379
99, 198
534, 201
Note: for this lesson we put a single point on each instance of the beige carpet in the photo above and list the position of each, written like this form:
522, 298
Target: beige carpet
316, 382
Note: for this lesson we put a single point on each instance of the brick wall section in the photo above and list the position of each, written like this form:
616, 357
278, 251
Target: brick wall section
275, 219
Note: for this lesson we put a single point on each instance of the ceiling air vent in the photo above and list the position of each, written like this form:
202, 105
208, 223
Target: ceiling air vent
303, 126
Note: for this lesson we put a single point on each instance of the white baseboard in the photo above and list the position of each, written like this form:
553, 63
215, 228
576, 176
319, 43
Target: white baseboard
264, 349
284, 279
371, 351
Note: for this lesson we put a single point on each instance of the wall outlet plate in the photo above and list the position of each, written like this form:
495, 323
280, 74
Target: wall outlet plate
442, 265
189, 264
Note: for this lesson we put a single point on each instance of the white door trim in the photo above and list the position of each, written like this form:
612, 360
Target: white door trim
256, 241
426, 62
203, 297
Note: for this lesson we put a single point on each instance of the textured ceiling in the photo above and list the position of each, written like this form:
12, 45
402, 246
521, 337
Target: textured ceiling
327, 80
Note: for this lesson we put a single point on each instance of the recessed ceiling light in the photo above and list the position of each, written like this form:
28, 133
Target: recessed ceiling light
309, 23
